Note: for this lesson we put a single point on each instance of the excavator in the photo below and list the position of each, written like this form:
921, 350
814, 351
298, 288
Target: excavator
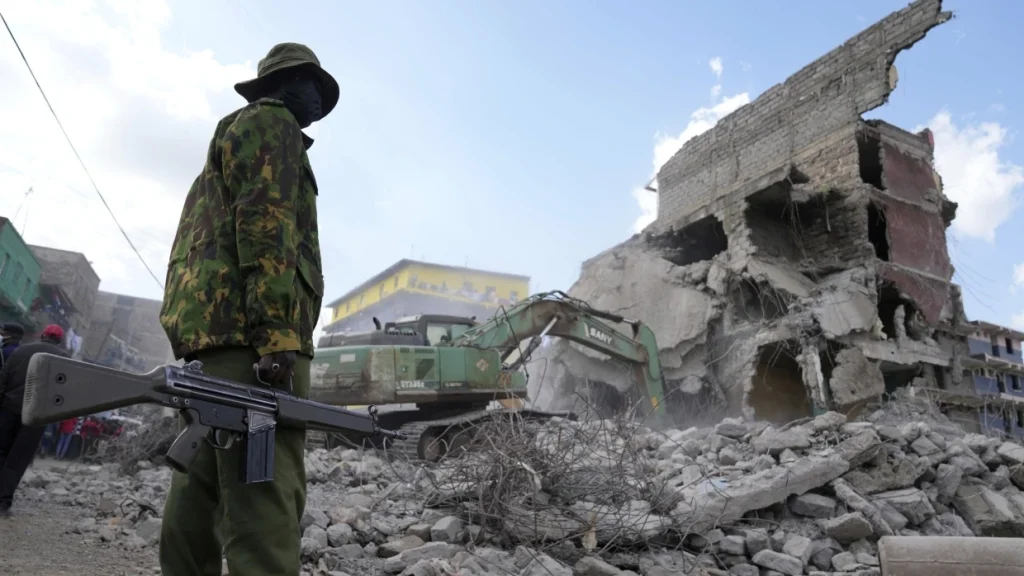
436, 376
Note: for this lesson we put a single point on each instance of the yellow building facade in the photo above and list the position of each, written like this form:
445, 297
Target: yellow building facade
411, 287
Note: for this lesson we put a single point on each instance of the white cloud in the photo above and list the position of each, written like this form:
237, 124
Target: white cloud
1017, 320
1017, 280
701, 120
139, 114
973, 175
716, 66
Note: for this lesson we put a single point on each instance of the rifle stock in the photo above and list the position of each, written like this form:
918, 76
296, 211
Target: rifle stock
58, 388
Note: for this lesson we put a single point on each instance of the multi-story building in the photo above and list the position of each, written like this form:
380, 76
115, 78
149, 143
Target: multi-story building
125, 333
989, 396
68, 287
996, 371
19, 278
411, 287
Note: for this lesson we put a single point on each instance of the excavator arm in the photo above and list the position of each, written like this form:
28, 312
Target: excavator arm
558, 314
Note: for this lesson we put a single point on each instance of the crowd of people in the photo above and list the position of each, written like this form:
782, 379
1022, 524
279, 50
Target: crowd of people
75, 437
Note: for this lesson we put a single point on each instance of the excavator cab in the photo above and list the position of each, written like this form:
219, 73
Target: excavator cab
423, 330
438, 329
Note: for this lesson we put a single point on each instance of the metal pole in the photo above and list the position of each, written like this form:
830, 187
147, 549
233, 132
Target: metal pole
950, 556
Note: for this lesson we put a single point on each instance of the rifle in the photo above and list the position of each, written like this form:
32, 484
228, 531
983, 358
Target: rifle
216, 410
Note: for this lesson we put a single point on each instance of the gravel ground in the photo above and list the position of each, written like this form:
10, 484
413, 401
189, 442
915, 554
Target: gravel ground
34, 542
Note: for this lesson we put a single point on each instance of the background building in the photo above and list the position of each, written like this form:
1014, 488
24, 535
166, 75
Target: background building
411, 287
19, 278
125, 333
68, 286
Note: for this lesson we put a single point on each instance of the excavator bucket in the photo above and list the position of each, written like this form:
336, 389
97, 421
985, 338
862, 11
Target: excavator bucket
512, 403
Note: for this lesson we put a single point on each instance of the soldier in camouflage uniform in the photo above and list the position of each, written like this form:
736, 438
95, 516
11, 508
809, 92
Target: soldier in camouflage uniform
244, 289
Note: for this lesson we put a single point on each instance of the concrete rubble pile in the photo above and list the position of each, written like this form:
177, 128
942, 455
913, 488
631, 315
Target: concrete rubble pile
741, 497
140, 446
798, 261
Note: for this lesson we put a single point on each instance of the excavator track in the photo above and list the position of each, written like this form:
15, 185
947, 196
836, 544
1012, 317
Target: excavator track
431, 440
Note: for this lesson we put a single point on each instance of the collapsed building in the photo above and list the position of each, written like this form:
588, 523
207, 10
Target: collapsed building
798, 262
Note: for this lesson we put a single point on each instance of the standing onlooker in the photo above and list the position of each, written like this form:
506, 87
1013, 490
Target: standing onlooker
67, 432
18, 443
90, 433
49, 443
11, 334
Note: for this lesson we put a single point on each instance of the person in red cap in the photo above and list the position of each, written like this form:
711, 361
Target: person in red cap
52, 333
19, 443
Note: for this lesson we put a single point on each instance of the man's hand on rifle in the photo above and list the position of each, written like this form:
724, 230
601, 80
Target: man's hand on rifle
276, 367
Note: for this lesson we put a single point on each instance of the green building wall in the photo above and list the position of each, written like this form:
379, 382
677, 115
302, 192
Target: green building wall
19, 277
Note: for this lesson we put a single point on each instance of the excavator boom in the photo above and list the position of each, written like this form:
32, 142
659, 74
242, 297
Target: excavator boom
556, 314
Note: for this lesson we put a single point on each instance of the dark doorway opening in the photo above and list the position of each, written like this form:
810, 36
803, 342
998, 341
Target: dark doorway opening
778, 394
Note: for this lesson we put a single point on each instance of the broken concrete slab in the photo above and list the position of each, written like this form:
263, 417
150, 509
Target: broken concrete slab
910, 502
701, 506
887, 475
848, 527
987, 512
841, 312
813, 505
855, 378
1012, 453
774, 441
780, 278
858, 503
783, 563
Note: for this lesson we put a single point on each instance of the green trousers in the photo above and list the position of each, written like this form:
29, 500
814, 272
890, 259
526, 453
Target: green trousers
208, 511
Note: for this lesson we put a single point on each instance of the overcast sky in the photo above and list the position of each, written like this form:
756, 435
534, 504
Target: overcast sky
513, 136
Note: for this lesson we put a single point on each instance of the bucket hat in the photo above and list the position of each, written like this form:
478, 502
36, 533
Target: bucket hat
289, 56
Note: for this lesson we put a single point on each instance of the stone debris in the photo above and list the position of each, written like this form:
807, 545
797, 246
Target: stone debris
688, 511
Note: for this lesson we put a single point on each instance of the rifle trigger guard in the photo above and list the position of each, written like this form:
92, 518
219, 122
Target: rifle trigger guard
215, 439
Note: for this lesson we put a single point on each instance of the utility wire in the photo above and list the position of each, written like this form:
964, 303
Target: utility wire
75, 150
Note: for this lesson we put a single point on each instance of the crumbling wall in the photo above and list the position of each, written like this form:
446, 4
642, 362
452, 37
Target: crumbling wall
793, 118
817, 232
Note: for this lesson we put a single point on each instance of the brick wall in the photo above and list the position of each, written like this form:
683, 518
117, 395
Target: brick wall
793, 117
73, 273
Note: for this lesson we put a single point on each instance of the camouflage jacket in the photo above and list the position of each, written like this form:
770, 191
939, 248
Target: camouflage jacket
245, 264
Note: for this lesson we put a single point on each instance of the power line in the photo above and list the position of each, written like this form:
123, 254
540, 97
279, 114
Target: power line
75, 150
22, 205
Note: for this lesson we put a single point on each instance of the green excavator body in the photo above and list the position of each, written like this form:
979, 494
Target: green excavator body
447, 371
